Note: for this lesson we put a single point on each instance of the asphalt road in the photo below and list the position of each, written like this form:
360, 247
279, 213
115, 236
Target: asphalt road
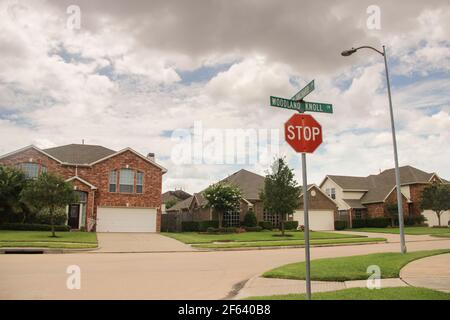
176, 275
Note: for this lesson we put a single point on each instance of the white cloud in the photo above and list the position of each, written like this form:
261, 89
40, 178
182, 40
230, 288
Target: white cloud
52, 93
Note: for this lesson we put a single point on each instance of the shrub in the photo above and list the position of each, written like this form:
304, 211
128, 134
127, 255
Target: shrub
340, 225
266, 225
382, 222
222, 230
32, 227
291, 225
205, 224
359, 223
414, 220
253, 229
189, 226
250, 219
59, 216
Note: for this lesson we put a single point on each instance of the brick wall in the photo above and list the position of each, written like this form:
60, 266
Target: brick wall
98, 175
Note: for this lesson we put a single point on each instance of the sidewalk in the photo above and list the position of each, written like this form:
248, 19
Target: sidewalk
432, 272
259, 286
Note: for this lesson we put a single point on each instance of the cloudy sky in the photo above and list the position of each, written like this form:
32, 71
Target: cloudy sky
138, 73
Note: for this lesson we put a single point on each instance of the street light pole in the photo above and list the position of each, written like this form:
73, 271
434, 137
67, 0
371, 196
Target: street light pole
394, 142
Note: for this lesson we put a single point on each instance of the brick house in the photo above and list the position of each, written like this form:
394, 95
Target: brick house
362, 197
195, 208
119, 191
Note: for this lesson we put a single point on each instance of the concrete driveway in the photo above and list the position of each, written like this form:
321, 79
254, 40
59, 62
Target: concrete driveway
139, 242
176, 275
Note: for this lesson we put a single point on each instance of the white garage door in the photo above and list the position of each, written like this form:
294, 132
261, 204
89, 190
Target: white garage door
126, 219
318, 219
432, 219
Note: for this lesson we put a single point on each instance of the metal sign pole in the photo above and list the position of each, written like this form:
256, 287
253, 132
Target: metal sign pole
306, 220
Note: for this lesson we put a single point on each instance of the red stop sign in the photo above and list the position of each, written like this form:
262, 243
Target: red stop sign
303, 133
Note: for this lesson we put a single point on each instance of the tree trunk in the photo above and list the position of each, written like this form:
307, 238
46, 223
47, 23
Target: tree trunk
52, 222
439, 218
219, 215
282, 227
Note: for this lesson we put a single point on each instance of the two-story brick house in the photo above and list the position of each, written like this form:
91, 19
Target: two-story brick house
119, 191
361, 197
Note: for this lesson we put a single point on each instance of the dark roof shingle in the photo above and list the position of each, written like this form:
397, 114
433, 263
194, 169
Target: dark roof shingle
79, 153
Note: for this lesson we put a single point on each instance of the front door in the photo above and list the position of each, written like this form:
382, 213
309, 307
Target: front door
74, 216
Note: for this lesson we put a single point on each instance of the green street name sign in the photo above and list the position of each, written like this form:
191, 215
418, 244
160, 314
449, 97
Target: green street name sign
286, 104
304, 92
317, 107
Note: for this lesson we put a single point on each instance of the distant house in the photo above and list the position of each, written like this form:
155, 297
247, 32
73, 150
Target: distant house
119, 191
195, 208
172, 197
361, 197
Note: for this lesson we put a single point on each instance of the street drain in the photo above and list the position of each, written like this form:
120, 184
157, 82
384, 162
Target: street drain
23, 251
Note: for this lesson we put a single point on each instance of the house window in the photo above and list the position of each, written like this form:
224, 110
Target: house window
126, 181
270, 217
358, 214
113, 181
81, 196
342, 214
31, 170
43, 169
139, 182
331, 192
232, 219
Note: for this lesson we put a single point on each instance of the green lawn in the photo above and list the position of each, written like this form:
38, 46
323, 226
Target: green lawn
44, 239
441, 235
196, 238
408, 230
400, 293
351, 268
258, 244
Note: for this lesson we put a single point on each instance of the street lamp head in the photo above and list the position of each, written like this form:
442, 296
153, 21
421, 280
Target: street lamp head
347, 53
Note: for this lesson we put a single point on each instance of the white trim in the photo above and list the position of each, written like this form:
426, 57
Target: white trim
435, 175
164, 170
250, 205
30, 147
82, 181
321, 191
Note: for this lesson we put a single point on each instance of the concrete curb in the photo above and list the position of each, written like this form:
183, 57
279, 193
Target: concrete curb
292, 247
43, 250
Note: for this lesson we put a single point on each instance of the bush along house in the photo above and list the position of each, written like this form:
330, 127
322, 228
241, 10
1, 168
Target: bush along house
195, 208
363, 198
118, 191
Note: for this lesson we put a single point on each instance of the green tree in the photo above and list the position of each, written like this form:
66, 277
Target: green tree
250, 219
12, 182
51, 192
392, 212
281, 193
436, 197
170, 203
223, 197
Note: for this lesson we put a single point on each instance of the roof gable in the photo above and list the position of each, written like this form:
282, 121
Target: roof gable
164, 170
